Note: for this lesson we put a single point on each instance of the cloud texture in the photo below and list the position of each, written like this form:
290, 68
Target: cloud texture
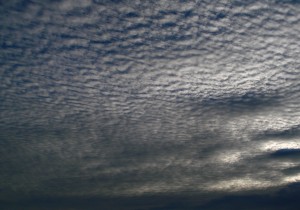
139, 98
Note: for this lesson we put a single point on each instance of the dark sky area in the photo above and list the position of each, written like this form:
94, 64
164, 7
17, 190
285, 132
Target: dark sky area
149, 105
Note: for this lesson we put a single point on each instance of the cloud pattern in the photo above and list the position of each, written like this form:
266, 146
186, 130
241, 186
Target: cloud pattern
138, 98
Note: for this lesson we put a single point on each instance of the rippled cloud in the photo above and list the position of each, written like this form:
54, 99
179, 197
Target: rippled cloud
148, 98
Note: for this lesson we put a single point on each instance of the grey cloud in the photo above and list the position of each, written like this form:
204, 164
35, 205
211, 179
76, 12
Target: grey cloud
136, 98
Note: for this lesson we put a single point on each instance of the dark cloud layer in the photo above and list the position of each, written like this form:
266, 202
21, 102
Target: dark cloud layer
284, 199
148, 102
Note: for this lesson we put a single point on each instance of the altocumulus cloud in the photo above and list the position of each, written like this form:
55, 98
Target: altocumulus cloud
148, 100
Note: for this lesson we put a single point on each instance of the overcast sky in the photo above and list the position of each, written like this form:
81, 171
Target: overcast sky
149, 104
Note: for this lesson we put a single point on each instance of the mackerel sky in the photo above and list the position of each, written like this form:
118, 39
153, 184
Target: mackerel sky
154, 104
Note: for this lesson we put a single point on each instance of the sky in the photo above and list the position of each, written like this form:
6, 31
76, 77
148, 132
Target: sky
153, 105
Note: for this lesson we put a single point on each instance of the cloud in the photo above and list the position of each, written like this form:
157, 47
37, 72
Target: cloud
150, 98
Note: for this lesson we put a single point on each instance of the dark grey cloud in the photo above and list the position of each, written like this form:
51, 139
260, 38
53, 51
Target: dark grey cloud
131, 99
284, 199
